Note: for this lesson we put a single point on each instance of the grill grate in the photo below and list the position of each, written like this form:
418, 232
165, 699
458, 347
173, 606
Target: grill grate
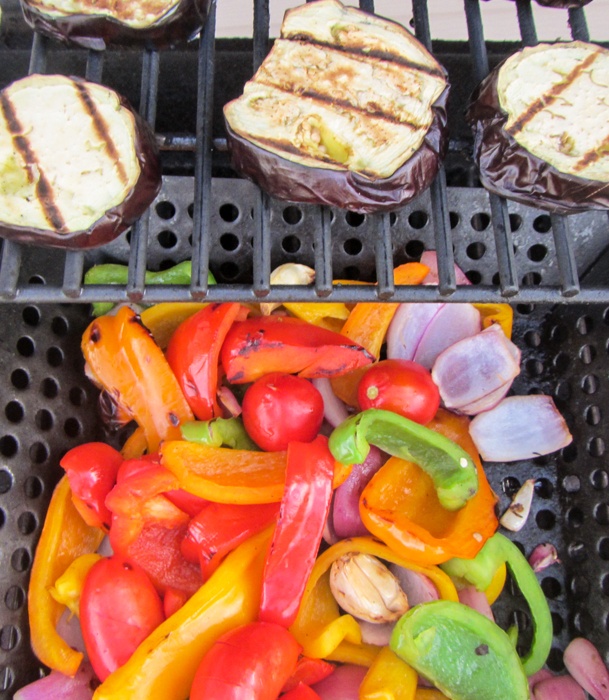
509, 283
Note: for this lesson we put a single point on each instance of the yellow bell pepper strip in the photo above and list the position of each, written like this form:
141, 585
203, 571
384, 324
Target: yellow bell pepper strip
429, 694
462, 652
163, 319
302, 517
224, 475
68, 587
165, 663
389, 678
400, 505
480, 571
65, 537
126, 361
367, 325
135, 446
503, 314
450, 467
330, 315
493, 591
319, 626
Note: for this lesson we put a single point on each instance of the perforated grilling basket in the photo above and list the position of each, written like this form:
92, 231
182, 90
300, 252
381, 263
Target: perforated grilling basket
551, 268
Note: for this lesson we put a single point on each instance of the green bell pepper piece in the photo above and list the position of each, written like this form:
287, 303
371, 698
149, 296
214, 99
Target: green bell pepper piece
219, 432
479, 571
112, 273
452, 470
462, 652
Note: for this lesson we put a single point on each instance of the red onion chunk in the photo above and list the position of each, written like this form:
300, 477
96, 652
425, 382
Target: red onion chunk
418, 588
519, 427
475, 367
587, 667
335, 411
342, 684
407, 329
486, 402
542, 556
476, 600
452, 323
57, 686
430, 259
346, 520
558, 688
68, 628
376, 633
536, 678
229, 402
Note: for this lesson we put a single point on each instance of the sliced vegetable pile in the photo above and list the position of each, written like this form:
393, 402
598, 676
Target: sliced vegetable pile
293, 516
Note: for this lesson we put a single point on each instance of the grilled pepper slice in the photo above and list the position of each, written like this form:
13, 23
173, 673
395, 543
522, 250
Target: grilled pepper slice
259, 346
461, 651
450, 467
480, 571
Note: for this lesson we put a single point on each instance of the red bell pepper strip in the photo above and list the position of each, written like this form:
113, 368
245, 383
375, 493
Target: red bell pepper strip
259, 346
302, 516
221, 527
250, 661
193, 353
91, 470
308, 671
301, 692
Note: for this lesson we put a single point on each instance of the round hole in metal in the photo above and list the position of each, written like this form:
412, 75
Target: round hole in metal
601, 513
353, 246
30, 316
55, 356
515, 222
561, 362
414, 249
60, 326
393, 218
167, 239
474, 276
584, 325
39, 452
26, 346
228, 212
575, 517
587, 353
532, 339
510, 485
531, 279
21, 560
6, 481
33, 487
545, 519
49, 388
2, 518
291, 244
229, 271
542, 224
557, 623
590, 384
577, 552
534, 368
551, 587
418, 219
14, 411
190, 209
354, 219
599, 479
525, 309
44, 419
480, 221
229, 241
454, 219
14, 597
476, 250
165, 210
27, 523
603, 548
593, 415
544, 488
596, 447
537, 252
579, 586
77, 396
8, 445
72, 427
292, 215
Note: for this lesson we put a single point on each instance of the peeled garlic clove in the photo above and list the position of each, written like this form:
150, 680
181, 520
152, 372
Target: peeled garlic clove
518, 511
542, 556
289, 273
365, 588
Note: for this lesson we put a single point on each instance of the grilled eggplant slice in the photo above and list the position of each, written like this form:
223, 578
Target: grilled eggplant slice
77, 165
564, 4
541, 128
348, 109
93, 24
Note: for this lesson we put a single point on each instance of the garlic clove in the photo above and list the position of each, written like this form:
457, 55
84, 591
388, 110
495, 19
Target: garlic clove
288, 273
518, 511
365, 588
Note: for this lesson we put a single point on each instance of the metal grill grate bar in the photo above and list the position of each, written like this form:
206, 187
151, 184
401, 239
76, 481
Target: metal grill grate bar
323, 257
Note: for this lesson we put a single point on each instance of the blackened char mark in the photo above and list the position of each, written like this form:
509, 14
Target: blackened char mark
44, 191
552, 95
101, 129
593, 155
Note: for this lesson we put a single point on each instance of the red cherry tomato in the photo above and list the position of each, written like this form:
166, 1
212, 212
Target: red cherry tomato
401, 386
251, 661
282, 408
119, 608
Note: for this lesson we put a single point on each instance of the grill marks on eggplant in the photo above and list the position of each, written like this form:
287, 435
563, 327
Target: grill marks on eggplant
342, 90
140, 14
556, 98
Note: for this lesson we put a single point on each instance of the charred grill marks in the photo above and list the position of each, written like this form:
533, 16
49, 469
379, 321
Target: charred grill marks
101, 130
44, 191
552, 95
593, 156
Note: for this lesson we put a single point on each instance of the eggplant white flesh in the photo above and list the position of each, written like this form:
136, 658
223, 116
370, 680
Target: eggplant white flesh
77, 172
541, 130
94, 24
341, 91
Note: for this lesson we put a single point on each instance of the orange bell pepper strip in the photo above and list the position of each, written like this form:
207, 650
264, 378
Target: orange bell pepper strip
389, 678
330, 315
126, 361
429, 694
400, 506
225, 475
165, 663
65, 537
322, 630
367, 325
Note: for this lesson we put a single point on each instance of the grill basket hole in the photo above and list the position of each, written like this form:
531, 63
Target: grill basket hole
33, 487
229, 241
39, 453
293, 215
418, 219
14, 412
480, 221
8, 446
6, 481
44, 419
165, 210
27, 523
542, 224
354, 219
228, 212
26, 347
49, 388
31, 316
353, 246
14, 598
167, 239
291, 244
21, 560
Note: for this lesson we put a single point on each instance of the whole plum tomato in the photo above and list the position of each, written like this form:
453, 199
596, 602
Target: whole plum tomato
281, 408
400, 386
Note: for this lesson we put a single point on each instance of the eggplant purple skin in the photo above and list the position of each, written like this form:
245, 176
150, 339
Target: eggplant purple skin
294, 182
97, 32
564, 4
509, 170
116, 220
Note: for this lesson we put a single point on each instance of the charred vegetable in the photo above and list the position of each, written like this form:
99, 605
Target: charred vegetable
347, 109
544, 140
107, 173
93, 25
